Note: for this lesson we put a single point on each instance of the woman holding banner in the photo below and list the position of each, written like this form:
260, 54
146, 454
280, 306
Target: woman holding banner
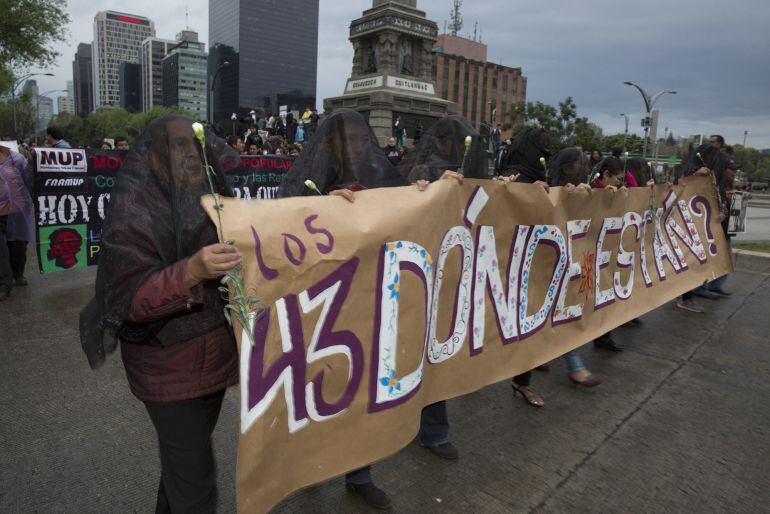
157, 293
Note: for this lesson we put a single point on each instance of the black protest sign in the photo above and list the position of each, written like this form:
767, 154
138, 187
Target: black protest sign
72, 194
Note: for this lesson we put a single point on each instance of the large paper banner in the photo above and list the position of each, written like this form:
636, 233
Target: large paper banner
72, 194
377, 308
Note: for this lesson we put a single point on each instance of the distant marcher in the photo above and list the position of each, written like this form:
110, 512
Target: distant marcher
392, 153
17, 219
497, 135
106, 145
417, 132
55, 138
399, 131
236, 143
291, 126
253, 149
121, 143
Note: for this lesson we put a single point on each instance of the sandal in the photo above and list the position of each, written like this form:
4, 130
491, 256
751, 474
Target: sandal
530, 396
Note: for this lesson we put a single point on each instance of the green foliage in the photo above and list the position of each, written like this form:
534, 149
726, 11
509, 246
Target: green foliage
754, 164
28, 29
25, 115
562, 123
109, 123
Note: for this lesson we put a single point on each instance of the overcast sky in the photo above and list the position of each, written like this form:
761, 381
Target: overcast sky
714, 53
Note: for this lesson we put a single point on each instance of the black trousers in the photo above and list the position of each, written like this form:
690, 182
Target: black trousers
6, 274
18, 256
523, 380
188, 476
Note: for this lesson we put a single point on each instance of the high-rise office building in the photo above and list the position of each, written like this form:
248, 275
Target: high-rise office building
66, 103
184, 78
43, 105
83, 79
117, 38
130, 86
272, 50
151, 56
483, 91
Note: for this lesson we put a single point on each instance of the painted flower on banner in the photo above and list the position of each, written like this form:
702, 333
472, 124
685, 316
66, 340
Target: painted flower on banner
587, 274
391, 382
393, 288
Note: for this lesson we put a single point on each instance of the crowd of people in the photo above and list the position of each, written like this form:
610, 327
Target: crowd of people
160, 298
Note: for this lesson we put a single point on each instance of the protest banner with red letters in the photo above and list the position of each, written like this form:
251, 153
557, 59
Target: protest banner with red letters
72, 194
373, 309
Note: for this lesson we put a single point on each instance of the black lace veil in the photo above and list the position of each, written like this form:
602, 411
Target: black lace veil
154, 220
442, 147
343, 151
524, 155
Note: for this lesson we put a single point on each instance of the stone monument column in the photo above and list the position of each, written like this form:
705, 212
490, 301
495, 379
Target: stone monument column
392, 68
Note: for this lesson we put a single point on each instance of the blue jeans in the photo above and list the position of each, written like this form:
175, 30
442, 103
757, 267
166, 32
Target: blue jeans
434, 430
573, 361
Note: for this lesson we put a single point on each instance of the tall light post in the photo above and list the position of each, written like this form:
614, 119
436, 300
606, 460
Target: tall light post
625, 133
745, 135
211, 90
649, 103
37, 106
16, 84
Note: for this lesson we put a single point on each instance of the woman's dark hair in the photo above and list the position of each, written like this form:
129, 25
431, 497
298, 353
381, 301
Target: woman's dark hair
612, 165
55, 132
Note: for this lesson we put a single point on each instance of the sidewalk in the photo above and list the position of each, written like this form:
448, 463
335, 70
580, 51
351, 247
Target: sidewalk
680, 424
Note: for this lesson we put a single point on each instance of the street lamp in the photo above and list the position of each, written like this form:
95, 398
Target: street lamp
14, 85
211, 90
649, 103
37, 107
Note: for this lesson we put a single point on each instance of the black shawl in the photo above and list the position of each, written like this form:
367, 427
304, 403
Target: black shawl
154, 220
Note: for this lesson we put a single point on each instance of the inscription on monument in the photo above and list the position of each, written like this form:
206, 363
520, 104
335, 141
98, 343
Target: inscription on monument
356, 85
411, 85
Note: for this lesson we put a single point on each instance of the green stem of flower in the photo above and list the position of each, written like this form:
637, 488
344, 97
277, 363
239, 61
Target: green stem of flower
216, 198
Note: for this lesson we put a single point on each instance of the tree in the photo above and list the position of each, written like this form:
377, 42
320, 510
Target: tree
28, 29
109, 123
754, 164
561, 122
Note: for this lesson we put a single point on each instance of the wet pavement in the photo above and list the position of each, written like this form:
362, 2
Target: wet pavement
681, 422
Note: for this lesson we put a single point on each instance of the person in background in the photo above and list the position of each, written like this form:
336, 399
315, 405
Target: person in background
306, 116
291, 126
611, 176
295, 150
253, 149
314, 120
121, 143
300, 136
54, 137
392, 153
417, 133
236, 143
399, 131
596, 157
497, 134
279, 151
106, 145
17, 221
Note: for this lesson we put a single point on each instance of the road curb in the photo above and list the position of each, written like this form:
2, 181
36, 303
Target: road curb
762, 255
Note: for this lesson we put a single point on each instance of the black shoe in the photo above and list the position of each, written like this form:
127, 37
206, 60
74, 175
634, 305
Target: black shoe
705, 293
607, 344
4, 294
444, 450
21, 281
719, 291
371, 494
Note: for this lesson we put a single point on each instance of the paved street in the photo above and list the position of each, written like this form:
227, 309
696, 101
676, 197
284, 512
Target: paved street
681, 423
757, 224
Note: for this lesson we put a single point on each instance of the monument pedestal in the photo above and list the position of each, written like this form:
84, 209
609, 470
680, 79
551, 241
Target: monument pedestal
392, 69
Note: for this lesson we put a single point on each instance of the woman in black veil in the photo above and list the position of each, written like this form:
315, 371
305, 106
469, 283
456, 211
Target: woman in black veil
442, 148
157, 292
527, 156
343, 157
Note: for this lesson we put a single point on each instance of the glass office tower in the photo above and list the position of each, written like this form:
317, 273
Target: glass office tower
272, 50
